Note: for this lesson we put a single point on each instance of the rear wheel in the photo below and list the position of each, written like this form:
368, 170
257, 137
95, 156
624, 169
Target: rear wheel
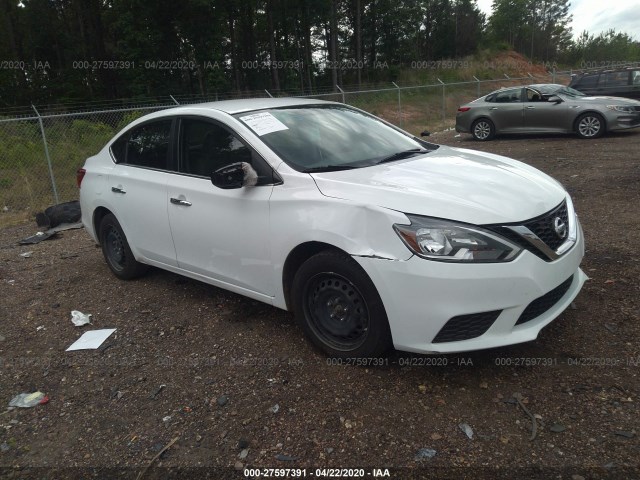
339, 308
116, 250
483, 129
590, 125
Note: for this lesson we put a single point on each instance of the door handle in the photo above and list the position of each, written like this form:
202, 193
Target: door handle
531, 108
493, 108
118, 190
178, 201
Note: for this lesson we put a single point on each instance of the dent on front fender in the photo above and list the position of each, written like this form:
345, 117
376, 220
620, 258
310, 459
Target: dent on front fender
359, 230
301, 214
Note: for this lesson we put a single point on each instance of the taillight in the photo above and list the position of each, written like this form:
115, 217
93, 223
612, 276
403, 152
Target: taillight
80, 175
464, 109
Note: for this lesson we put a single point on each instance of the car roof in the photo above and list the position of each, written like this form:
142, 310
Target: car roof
627, 68
248, 104
535, 86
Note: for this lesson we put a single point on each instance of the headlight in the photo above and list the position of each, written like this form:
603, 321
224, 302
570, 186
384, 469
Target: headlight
621, 108
447, 241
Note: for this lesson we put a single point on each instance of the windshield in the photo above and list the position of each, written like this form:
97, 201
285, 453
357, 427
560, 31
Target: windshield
553, 89
333, 137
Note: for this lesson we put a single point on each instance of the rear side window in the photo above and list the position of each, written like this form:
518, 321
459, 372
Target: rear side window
588, 81
145, 146
508, 96
635, 75
615, 79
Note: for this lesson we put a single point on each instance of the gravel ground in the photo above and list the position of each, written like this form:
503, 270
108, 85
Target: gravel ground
237, 385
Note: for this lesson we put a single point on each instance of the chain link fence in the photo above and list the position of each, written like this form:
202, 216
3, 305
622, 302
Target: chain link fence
40, 152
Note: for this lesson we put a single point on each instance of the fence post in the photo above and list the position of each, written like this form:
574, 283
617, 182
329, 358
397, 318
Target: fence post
46, 152
477, 85
444, 103
342, 92
554, 75
399, 104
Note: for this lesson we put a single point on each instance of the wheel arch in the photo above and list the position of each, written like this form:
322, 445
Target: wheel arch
300, 254
483, 117
98, 214
582, 114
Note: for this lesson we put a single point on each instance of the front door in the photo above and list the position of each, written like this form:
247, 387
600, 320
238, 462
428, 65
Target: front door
219, 234
543, 116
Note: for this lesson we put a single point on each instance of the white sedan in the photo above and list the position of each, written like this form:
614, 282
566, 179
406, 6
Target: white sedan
371, 236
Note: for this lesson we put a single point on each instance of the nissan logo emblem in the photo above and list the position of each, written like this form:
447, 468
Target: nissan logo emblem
560, 227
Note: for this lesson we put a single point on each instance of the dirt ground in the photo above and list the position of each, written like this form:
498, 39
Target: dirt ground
236, 385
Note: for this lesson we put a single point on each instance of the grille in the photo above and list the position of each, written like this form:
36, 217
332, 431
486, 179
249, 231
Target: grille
543, 226
464, 327
542, 304
520, 241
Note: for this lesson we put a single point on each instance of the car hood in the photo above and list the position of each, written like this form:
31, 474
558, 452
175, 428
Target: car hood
607, 101
451, 183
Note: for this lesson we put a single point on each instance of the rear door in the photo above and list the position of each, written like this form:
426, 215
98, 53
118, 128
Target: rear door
635, 85
220, 234
616, 84
137, 189
506, 111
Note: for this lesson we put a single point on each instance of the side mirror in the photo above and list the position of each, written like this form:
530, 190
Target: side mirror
426, 133
555, 99
231, 176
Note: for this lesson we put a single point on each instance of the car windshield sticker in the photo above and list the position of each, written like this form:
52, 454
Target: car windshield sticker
263, 123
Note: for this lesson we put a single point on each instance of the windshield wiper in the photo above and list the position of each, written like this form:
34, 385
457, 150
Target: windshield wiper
328, 168
403, 154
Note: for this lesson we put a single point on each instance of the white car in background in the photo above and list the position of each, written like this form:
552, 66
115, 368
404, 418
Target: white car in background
371, 236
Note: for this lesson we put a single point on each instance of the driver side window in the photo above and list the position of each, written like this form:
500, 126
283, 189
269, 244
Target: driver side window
533, 96
206, 146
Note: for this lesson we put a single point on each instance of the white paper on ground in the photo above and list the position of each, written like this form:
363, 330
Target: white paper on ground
91, 339
263, 123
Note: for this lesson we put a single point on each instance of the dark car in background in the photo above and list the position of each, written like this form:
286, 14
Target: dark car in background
545, 108
621, 82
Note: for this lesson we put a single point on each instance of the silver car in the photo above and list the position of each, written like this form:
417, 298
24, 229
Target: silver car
546, 108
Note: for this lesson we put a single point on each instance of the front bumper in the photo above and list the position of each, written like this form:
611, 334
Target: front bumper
624, 121
420, 296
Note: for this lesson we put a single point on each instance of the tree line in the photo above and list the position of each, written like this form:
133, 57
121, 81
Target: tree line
67, 50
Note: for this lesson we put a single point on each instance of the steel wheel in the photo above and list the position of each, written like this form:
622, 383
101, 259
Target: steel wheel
336, 310
116, 250
483, 130
338, 307
590, 125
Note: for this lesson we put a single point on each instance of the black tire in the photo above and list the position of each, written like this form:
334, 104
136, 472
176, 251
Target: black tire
338, 307
483, 129
116, 250
590, 125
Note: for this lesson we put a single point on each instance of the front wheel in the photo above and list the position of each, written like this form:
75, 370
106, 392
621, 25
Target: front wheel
590, 125
116, 250
339, 308
483, 129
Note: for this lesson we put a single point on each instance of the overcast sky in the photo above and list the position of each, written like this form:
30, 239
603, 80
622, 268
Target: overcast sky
597, 16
